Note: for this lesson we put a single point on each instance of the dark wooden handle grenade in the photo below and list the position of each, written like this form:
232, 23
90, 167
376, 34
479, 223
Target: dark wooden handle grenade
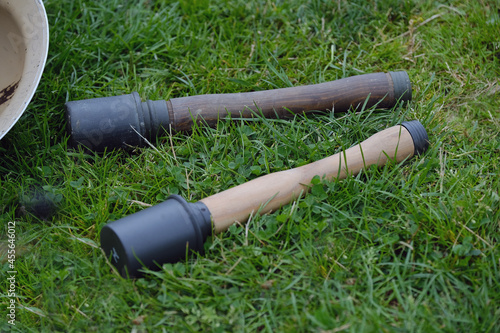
125, 121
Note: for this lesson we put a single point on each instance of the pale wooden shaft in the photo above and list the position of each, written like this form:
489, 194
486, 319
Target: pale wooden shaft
270, 192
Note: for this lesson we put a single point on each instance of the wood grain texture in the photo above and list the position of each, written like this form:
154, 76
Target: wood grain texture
338, 95
270, 192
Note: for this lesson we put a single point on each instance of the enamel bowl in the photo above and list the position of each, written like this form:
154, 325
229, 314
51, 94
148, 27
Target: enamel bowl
24, 43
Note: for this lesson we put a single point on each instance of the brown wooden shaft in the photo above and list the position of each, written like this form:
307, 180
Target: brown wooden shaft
277, 189
337, 95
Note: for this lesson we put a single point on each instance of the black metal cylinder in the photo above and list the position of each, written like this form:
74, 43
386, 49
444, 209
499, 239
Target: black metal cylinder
115, 122
164, 233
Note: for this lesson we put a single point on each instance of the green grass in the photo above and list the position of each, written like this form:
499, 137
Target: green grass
402, 248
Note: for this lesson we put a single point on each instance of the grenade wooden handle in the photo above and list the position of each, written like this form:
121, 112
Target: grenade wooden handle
383, 88
277, 189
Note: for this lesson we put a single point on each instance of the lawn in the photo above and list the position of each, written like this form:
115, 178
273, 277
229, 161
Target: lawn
410, 247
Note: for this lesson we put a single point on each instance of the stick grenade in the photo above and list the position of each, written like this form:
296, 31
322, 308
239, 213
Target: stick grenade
171, 230
125, 121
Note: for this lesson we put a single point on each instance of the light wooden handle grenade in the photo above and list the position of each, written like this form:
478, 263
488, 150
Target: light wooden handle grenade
169, 231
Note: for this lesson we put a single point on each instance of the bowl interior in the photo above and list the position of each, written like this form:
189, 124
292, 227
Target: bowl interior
23, 51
